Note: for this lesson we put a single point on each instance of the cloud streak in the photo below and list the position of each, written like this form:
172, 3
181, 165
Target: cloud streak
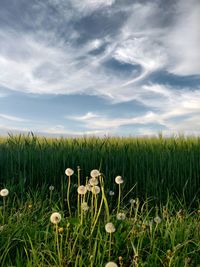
108, 49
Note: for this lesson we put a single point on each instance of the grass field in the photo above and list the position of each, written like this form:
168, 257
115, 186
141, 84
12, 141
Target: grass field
148, 216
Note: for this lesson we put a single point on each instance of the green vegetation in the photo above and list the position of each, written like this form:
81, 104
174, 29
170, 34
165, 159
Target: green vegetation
38, 228
157, 166
141, 210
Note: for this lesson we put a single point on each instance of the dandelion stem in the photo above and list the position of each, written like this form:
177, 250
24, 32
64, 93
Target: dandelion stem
58, 247
4, 209
68, 190
119, 196
104, 199
98, 214
79, 178
110, 241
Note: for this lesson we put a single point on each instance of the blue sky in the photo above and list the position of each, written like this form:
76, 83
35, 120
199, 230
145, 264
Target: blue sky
100, 67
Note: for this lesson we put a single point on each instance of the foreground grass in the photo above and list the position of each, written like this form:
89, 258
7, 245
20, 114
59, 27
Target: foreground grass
93, 228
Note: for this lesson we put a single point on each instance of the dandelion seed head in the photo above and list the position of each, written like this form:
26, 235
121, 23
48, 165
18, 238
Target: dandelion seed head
84, 206
2, 227
4, 192
82, 190
89, 187
121, 216
110, 228
51, 188
132, 201
95, 173
111, 193
93, 181
55, 218
95, 189
157, 219
111, 264
119, 180
60, 230
69, 172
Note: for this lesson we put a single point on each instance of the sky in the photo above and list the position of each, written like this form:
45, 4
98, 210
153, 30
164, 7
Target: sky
100, 67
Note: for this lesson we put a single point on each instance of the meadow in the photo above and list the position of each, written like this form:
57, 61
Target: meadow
99, 201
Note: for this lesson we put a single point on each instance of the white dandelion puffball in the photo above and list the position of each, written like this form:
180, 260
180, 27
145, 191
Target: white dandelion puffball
111, 193
51, 188
69, 172
55, 218
119, 180
82, 190
95, 173
111, 264
84, 206
110, 228
93, 181
132, 201
157, 219
95, 189
4, 192
121, 216
88, 187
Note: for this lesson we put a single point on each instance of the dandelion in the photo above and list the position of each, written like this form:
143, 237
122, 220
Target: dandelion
89, 187
111, 193
30, 206
95, 189
2, 227
157, 220
95, 173
119, 180
110, 228
69, 172
121, 216
84, 206
93, 181
4, 192
132, 201
55, 218
51, 188
111, 264
82, 190
60, 230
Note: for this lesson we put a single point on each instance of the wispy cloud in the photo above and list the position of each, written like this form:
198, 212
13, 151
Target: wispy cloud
164, 103
109, 49
12, 118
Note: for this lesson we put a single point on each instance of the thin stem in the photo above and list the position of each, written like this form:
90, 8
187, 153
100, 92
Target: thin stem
79, 178
110, 240
68, 190
119, 196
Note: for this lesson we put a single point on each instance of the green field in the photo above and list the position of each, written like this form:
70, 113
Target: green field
157, 166
154, 211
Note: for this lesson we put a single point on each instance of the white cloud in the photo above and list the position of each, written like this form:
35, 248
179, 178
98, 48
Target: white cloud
12, 118
102, 122
87, 6
151, 37
165, 105
183, 39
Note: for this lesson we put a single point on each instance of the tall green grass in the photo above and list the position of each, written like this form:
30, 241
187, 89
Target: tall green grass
158, 166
